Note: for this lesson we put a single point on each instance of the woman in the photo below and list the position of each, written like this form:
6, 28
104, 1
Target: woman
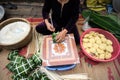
64, 14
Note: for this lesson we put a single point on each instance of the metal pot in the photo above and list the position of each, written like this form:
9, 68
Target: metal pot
2, 12
116, 5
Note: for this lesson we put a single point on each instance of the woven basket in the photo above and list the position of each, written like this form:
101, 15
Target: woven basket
21, 43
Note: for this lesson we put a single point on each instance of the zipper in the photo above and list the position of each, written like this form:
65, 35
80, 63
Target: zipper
61, 10
62, 3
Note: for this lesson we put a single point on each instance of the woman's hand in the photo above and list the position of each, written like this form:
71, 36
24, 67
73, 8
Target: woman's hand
61, 36
49, 26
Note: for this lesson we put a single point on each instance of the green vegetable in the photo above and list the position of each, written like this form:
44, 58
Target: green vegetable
54, 36
25, 69
107, 22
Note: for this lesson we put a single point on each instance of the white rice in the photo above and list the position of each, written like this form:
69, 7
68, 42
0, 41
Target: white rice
14, 32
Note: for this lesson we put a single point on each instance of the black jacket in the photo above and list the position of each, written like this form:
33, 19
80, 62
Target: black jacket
63, 17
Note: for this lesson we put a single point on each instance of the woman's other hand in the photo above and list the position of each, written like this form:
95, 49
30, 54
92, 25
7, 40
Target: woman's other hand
49, 25
61, 36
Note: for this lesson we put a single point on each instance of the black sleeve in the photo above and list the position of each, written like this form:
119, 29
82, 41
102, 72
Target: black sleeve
75, 15
46, 9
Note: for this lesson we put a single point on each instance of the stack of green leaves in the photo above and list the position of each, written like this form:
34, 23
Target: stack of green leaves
109, 22
54, 36
37, 74
22, 67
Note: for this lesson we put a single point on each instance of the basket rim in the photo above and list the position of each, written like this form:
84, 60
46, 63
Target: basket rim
17, 19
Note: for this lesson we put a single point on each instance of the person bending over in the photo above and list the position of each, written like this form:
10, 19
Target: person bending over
60, 15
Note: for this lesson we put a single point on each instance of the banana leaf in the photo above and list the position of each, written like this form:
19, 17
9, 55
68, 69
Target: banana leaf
109, 22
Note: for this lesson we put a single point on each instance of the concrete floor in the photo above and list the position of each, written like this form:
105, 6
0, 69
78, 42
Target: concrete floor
24, 10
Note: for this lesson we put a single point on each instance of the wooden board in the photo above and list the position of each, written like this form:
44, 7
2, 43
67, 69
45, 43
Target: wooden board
53, 55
